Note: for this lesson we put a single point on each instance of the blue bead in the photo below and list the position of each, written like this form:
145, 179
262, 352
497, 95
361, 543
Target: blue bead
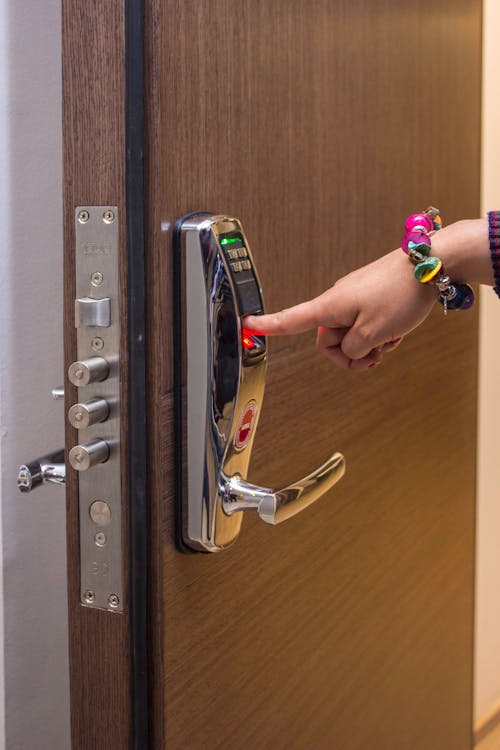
464, 298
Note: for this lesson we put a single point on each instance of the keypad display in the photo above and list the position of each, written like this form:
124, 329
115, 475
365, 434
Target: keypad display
247, 288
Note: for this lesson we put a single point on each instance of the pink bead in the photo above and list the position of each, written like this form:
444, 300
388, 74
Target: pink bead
419, 238
419, 220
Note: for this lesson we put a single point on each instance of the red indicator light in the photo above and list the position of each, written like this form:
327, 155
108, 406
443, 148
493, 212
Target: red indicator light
248, 341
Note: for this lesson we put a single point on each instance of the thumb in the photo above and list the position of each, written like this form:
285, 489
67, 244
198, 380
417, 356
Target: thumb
330, 309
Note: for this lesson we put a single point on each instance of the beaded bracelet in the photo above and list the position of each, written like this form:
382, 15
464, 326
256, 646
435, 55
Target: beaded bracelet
429, 269
494, 239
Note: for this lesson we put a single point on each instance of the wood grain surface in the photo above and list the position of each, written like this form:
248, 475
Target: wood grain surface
94, 162
321, 125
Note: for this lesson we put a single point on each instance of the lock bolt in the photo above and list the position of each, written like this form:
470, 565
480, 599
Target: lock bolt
82, 457
84, 415
91, 370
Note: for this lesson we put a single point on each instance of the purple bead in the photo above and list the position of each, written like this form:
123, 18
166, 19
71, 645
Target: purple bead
419, 220
468, 298
418, 238
463, 299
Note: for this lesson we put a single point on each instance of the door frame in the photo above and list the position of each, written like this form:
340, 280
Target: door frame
103, 164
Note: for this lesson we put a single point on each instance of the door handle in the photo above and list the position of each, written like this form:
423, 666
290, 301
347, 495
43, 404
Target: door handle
276, 506
49, 468
219, 385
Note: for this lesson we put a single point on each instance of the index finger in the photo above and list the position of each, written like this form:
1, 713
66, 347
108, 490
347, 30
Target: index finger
297, 319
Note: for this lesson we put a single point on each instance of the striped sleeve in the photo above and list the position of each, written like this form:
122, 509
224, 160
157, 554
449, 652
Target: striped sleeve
494, 239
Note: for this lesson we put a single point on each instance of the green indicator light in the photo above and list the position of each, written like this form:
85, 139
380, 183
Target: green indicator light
229, 240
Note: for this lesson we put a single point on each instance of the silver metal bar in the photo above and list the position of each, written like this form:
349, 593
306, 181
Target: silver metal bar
276, 506
97, 375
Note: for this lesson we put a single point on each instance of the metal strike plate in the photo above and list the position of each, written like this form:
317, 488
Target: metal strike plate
97, 317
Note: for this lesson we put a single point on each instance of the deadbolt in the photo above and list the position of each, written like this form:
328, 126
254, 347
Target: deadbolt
89, 370
93, 312
82, 457
84, 415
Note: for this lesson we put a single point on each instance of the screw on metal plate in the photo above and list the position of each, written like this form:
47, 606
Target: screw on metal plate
96, 278
97, 344
113, 600
83, 217
108, 216
89, 596
100, 539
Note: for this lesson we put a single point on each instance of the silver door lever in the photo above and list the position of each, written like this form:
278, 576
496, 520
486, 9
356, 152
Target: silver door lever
275, 506
47, 469
50, 468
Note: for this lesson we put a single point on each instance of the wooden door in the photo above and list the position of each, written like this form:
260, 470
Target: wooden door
320, 125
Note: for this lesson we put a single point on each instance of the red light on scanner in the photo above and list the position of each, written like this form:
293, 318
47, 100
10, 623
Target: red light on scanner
247, 341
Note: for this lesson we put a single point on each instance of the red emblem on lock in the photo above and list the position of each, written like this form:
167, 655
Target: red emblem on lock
245, 425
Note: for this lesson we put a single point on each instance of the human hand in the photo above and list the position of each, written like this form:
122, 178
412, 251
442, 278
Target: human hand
364, 315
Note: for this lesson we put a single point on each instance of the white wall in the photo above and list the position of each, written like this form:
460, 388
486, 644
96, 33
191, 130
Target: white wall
34, 677
487, 692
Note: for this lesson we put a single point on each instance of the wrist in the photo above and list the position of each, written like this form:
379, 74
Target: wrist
404, 270
464, 249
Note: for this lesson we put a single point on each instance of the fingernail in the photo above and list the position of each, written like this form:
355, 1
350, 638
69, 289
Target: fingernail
372, 364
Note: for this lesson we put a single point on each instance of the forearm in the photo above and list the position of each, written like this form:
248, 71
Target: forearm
464, 249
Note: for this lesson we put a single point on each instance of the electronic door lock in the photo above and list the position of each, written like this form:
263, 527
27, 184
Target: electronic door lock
219, 385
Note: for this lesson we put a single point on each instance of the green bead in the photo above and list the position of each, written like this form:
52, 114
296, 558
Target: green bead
427, 269
422, 247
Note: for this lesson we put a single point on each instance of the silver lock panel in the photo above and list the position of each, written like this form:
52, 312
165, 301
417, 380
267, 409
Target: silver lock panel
220, 378
97, 412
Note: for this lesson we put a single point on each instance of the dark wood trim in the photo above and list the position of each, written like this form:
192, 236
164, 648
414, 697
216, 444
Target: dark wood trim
94, 143
137, 437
